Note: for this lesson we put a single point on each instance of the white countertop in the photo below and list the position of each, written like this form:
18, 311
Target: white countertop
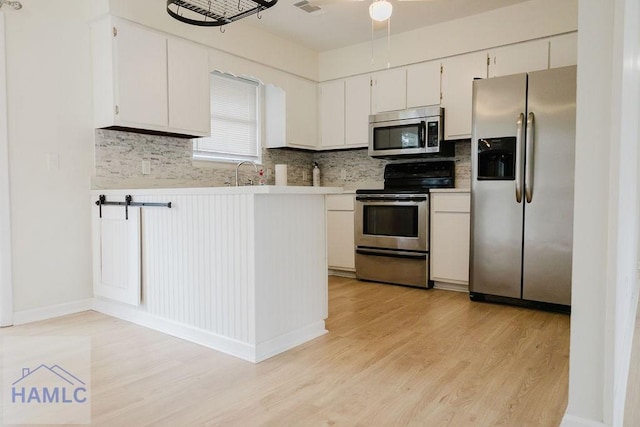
249, 189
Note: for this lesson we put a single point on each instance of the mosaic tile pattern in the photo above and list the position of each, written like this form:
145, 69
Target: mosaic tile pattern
119, 156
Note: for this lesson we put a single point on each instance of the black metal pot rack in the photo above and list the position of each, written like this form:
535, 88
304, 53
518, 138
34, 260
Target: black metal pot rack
214, 13
128, 201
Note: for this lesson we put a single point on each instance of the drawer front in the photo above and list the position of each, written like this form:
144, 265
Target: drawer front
451, 202
340, 202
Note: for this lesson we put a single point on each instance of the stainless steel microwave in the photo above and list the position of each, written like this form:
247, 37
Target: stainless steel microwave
407, 133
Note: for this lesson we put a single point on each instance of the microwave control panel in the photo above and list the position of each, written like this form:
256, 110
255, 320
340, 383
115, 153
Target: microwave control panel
433, 135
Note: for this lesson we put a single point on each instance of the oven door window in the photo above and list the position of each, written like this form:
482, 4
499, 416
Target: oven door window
401, 221
398, 137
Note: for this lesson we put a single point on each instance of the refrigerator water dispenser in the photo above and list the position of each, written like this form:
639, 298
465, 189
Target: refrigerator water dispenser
496, 159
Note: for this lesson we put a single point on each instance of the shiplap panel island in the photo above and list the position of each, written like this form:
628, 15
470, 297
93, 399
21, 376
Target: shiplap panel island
242, 270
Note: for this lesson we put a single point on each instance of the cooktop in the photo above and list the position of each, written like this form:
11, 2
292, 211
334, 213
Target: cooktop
415, 177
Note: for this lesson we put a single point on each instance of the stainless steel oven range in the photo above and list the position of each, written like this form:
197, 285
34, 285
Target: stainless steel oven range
392, 224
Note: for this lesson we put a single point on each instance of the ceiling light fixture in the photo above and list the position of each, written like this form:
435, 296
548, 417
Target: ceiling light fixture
380, 10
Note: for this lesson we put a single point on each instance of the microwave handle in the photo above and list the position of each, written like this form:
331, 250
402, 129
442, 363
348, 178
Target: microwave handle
423, 134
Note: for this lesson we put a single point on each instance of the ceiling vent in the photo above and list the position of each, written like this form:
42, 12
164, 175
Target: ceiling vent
308, 7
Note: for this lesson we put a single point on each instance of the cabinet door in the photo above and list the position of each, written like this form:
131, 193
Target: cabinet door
423, 84
340, 240
357, 110
563, 50
450, 235
389, 90
116, 255
519, 58
189, 99
302, 113
275, 116
141, 77
332, 120
457, 82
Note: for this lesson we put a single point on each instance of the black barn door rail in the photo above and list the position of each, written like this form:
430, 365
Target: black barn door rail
128, 201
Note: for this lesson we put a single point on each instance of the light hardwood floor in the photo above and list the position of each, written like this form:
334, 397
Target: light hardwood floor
393, 356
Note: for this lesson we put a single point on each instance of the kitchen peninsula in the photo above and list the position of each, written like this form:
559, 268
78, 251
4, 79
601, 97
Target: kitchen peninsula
242, 270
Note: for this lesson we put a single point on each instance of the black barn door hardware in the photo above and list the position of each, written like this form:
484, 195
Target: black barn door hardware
128, 201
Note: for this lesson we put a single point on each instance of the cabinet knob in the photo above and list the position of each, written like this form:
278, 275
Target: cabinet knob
115, 31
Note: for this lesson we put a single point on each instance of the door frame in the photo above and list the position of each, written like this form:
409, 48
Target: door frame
6, 285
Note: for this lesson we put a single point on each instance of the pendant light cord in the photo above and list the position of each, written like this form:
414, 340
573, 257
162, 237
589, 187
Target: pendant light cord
371, 41
389, 42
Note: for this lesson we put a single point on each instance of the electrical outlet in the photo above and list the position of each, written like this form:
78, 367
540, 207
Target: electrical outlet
269, 173
146, 167
304, 175
343, 174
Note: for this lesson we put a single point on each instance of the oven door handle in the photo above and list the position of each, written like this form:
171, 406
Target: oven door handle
391, 253
391, 198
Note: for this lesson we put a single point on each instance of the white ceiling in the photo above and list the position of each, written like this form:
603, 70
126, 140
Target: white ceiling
347, 22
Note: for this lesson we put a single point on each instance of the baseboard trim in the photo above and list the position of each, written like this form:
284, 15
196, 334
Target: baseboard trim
574, 421
208, 339
446, 286
242, 350
279, 344
51, 311
342, 273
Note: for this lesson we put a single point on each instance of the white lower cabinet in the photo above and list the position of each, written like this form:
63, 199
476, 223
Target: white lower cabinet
450, 235
340, 232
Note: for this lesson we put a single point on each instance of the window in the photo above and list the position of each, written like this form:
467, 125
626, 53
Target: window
235, 121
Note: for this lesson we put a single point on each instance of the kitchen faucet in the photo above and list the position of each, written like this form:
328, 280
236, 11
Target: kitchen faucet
240, 164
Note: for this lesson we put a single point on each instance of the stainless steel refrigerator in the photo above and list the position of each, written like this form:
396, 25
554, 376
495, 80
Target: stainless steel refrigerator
523, 149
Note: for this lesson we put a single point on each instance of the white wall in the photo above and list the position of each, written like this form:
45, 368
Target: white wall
605, 289
49, 114
6, 291
524, 21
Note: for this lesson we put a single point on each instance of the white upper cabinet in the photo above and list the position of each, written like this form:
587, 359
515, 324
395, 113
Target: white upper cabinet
458, 73
275, 120
291, 114
357, 110
130, 76
344, 113
189, 94
332, 114
389, 90
423, 84
563, 50
136, 80
519, 58
302, 113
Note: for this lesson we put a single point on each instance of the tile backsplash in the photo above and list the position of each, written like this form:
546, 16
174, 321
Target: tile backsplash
119, 157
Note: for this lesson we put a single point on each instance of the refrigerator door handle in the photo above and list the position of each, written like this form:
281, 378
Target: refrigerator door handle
528, 179
519, 157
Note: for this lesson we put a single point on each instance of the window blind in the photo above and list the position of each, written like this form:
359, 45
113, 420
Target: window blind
234, 120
